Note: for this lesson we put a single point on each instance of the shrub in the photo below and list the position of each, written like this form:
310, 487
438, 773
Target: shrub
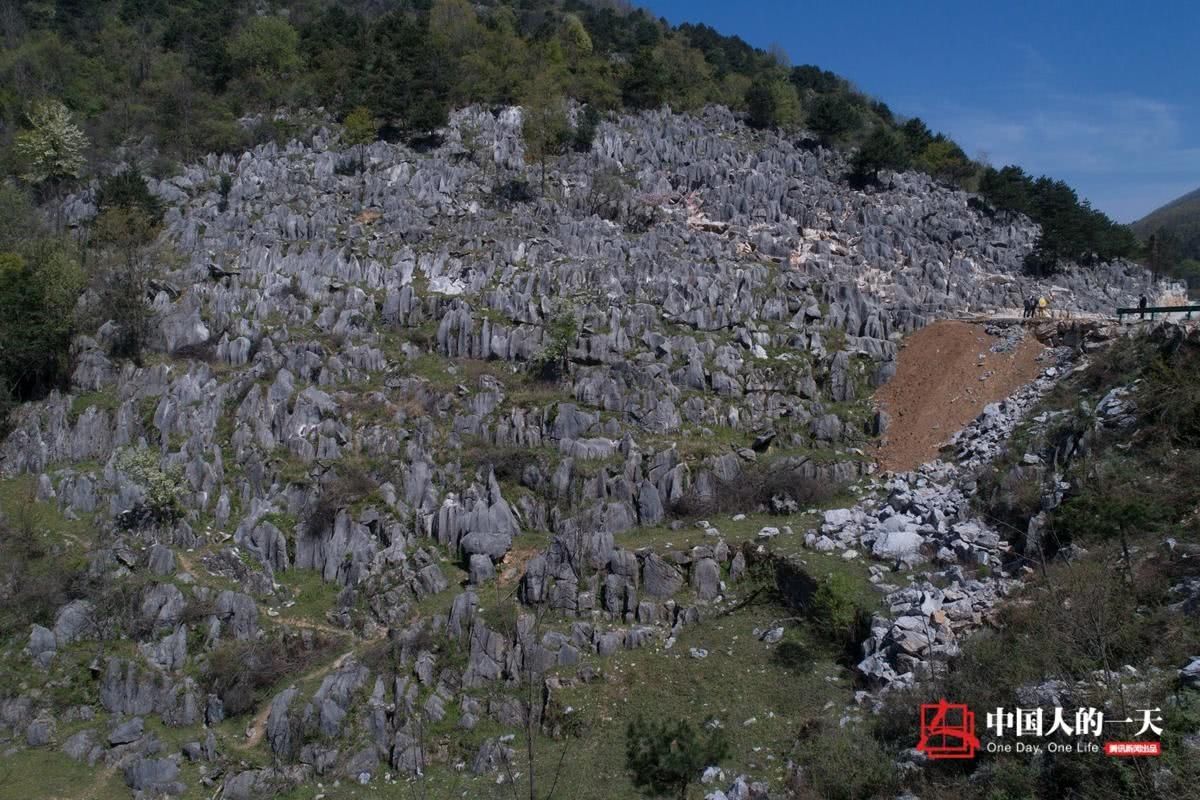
508, 463
793, 655
348, 485
643, 215
205, 351
834, 609
763, 487
128, 190
241, 673
34, 583
845, 764
163, 486
514, 190
1169, 398
606, 195
118, 608
551, 362
122, 238
665, 757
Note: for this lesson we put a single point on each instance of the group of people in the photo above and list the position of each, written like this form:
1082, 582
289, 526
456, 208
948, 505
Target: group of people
1036, 306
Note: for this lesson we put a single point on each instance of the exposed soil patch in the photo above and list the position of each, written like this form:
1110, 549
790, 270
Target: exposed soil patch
945, 375
514, 564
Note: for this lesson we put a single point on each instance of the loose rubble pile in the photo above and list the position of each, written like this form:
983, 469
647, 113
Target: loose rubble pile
922, 527
345, 382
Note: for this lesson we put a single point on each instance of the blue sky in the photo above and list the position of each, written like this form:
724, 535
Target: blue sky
1103, 94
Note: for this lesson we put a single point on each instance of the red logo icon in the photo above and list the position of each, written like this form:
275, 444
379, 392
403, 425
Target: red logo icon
947, 730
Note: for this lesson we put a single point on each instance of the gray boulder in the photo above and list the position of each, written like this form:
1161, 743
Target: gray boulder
481, 569
155, 776
128, 731
706, 579
42, 646
660, 579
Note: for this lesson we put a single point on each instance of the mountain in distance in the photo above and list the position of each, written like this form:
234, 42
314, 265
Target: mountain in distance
1181, 217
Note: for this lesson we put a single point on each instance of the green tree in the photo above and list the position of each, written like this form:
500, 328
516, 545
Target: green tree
1163, 252
20, 224
671, 73
498, 71
51, 150
576, 43
883, 149
455, 32
266, 44
833, 117
544, 126
360, 130
916, 135
772, 103
263, 52
665, 757
585, 129
808, 77
945, 160
454, 27
402, 77
121, 238
687, 76
38, 293
1009, 189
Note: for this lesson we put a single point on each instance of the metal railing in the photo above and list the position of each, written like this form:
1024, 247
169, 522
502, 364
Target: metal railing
1152, 310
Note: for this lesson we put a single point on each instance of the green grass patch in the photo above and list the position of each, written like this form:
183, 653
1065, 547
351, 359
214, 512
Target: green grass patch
46, 773
104, 400
312, 596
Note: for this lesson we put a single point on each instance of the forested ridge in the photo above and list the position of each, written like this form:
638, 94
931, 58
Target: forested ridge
1172, 237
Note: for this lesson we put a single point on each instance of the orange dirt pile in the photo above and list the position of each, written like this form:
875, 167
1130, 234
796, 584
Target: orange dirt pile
937, 388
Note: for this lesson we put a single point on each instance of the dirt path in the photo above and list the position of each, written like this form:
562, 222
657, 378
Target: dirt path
258, 725
102, 777
945, 375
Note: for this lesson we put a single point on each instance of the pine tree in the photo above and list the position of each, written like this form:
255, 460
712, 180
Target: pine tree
665, 757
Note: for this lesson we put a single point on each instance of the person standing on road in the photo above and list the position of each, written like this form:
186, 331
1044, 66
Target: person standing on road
1142, 303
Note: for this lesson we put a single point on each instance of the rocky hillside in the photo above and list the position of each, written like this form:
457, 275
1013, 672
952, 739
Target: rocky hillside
459, 447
